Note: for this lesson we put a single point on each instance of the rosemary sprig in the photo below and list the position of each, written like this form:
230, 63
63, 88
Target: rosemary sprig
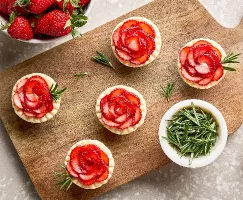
167, 92
55, 92
66, 179
192, 132
102, 59
230, 59
80, 75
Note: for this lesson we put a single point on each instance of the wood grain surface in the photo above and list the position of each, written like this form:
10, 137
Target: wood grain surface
43, 147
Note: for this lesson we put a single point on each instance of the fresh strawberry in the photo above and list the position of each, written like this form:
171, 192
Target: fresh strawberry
29, 114
187, 76
110, 123
106, 111
71, 171
53, 24
138, 116
132, 43
17, 101
18, 7
87, 177
68, 7
123, 55
132, 98
117, 92
39, 6
4, 6
21, 84
104, 157
183, 55
205, 81
140, 60
121, 119
39, 79
218, 73
205, 64
190, 58
216, 50
128, 24
104, 176
147, 28
127, 124
200, 50
88, 182
84, 2
116, 36
20, 29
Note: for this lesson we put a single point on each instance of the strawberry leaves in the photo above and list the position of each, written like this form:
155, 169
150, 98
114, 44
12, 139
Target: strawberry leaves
77, 21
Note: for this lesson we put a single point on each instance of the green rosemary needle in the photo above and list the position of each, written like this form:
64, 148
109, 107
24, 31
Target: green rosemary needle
167, 92
192, 132
230, 59
65, 179
102, 59
55, 92
80, 75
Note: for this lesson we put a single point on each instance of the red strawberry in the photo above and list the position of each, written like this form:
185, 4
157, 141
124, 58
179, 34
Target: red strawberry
39, 6
190, 58
84, 2
183, 55
104, 176
205, 81
138, 116
53, 24
104, 157
17, 101
147, 28
121, 119
20, 29
200, 50
132, 43
132, 98
205, 64
127, 124
123, 55
117, 92
71, 171
116, 36
110, 123
218, 73
4, 6
201, 42
68, 7
187, 76
140, 60
20, 9
128, 24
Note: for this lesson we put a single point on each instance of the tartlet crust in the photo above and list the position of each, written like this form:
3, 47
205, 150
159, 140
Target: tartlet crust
157, 40
49, 115
213, 83
105, 150
143, 108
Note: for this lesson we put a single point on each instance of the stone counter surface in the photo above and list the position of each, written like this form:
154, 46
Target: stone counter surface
221, 180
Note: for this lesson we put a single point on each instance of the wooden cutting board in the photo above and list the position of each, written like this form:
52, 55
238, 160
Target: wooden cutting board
43, 147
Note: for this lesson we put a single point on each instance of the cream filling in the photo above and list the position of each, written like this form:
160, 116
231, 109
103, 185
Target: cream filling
130, 129
105, 150
49, 115
157, 40
213, 83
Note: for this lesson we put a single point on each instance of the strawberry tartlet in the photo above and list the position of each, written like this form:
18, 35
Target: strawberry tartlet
199, 63
121, 109
90, 164
32, 98
136, 42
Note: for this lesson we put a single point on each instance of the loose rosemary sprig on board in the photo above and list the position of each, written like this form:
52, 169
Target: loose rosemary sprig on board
80, 75
55, 92
167, 92
192, 132
229, 59
66, 180
102, 59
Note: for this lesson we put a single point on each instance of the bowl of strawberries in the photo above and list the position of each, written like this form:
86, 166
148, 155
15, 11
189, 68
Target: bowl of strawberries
43, 21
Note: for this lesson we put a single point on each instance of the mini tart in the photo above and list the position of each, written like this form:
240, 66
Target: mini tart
97, 164
199, 63
121, 109
136, 42
43, 113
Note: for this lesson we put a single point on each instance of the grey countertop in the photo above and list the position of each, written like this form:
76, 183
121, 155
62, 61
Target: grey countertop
221, 180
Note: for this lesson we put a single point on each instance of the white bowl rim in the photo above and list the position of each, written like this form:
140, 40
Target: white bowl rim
201, 160
38, 41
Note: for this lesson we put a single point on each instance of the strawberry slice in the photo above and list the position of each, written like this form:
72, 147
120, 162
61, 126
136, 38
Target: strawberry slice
190, 58
123, 55
187, 76
218, 73
32, 97
87, 177
138, 116
121, 119
41, 115
141, 60
17, 101
104, 176
205, 81
132, 98
217, 52
39, 79
21, 84
151, 45
116, 36
74, 162
201, 42
104, 157
88, 182
191, 70
147, 28
71, 171
106, 111
31, 104
117, 92
127, 124
112, 110
28, 114
132, 43
110, 123
120, 108
183, 55
128, 24
200, 50
205, 64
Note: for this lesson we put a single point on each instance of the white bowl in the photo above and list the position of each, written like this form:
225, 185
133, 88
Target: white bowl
201, 160
38, 41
